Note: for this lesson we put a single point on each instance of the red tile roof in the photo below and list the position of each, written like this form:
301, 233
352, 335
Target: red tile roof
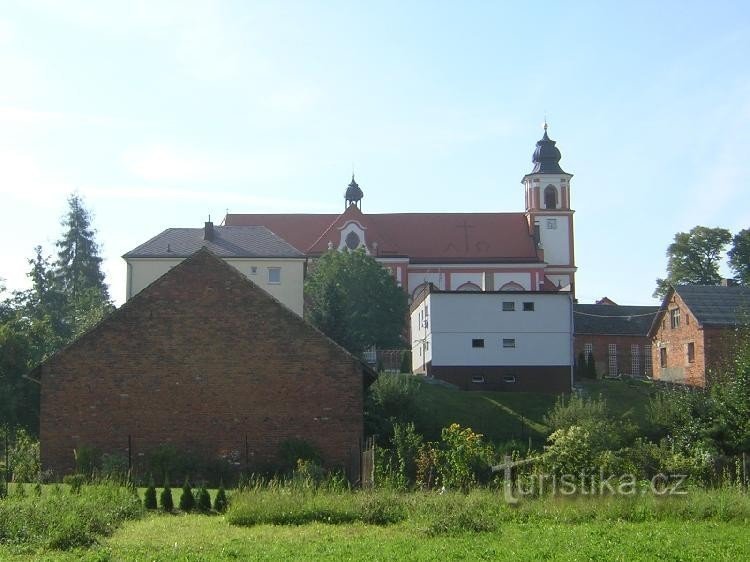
423, 237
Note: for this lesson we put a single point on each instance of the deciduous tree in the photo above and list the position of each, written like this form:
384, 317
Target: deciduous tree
693, 258
355, 301
739, 256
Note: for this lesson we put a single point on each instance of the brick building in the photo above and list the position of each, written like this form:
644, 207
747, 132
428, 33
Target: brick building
695, 331
616, 336
203, 360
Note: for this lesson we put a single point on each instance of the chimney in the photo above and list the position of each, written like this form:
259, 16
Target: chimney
208, 231
728, 282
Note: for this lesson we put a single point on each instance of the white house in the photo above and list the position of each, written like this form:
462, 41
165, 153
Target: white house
494, 340
266, 259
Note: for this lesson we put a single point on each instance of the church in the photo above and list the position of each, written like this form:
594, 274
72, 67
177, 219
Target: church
531, 250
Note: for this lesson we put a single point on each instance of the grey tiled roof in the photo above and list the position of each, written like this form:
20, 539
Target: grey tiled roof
613, 319
717, 305
228, 242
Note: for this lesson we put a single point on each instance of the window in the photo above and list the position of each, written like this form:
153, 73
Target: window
612, 349
274, 275
528, 307
674, 318
509, 306
479, 342
635, 359
691, 352
479, 379
647, 359
253, 270
663, 357
551, 224
550, 197
509, 378
509, 342
352, 241
588, 350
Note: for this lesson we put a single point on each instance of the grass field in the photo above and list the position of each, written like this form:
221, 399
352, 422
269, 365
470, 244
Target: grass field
198, 538
502, 416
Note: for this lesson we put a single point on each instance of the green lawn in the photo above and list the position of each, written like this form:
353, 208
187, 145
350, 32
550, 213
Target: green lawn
502, 416
195, 537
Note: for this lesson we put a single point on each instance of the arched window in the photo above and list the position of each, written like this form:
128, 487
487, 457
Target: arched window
417, 290
512, 286
469, 286
550, 197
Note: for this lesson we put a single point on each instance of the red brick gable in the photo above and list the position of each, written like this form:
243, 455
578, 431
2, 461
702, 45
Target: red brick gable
201, 359
423, 237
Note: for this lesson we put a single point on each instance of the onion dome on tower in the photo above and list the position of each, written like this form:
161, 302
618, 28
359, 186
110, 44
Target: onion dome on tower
547, 156
353, 194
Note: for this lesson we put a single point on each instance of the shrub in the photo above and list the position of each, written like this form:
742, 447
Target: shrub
75, 481
427, 466
465, 458
570, 451
165, 498
114, 466
24, 457
406, 443
293, 450
220, 501
394, 396
149, 497
187, 499
86, 460
405, 361
308, 473
203, 502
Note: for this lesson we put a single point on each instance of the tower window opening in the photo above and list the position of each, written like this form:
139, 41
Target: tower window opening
550, 197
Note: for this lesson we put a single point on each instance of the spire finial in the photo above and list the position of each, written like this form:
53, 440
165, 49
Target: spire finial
545, 121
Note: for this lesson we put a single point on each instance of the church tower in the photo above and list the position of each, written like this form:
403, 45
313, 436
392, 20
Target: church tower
549, 214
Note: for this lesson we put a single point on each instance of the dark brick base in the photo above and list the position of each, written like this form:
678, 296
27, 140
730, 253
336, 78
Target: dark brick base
550, 380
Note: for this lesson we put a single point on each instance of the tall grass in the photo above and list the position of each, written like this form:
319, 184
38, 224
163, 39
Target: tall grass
481, 510
63, 520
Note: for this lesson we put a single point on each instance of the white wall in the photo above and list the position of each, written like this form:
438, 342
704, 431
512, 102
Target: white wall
523, 279
556, 242
421, 345
458, 279
144, 271
543, 337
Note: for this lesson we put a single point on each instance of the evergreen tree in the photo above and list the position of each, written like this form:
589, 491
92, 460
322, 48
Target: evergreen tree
78, 274
220, 501
165, 499
149, 498
187, 499
204, 500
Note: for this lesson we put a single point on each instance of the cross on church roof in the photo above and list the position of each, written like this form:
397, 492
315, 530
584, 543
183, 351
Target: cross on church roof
466, 226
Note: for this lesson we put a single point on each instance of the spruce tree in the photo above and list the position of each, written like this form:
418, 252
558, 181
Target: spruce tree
149, 498
167, 504
187, 499
78, 274
220, 501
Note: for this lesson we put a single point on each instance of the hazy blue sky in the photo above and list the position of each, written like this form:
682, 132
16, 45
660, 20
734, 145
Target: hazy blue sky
160, 113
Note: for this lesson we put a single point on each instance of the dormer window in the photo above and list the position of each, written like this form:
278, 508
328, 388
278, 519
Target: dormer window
550, 197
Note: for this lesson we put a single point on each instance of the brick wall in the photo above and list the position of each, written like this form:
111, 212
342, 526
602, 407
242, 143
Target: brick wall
675, 341
201, 359
623, 352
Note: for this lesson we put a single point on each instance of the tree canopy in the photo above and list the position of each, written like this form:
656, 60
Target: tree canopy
693, 258
352, 299
739, 256
65, 299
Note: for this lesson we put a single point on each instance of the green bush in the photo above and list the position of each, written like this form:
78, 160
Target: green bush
405, 361
75, 481
465, 458
187, 499
203, 502
86, 460
114, 466
406, 443
220, 501
24, 457
149, 497
293, 450
165, 498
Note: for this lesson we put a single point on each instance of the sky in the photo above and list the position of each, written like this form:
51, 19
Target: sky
160, 114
